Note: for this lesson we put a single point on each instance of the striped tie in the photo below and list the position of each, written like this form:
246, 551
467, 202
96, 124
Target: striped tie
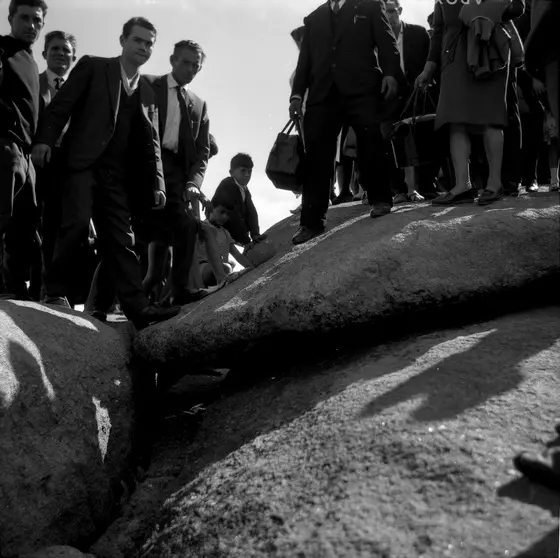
335, 6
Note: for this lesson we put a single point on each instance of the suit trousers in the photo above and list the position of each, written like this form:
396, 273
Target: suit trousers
176, 225
321, 125
19, 216
102, 195
512, 159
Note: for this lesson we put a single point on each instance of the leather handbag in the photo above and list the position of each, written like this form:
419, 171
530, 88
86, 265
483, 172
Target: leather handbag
414, 140
285, 165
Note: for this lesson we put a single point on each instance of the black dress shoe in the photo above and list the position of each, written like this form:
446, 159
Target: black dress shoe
305, 234
467, 196
153, 314
343, 198
188, 297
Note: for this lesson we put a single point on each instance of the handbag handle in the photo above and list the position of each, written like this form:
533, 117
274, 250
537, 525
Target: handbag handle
295, 122
414, 101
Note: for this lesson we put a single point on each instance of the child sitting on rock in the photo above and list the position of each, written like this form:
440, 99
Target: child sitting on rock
217, 218
243, 222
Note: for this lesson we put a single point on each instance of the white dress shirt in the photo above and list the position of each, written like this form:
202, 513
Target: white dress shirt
51, 79
400, 46
130, 84
173, 118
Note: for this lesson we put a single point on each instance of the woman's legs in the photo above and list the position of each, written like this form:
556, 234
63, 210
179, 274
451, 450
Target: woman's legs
460, 145
157, 257
494, 146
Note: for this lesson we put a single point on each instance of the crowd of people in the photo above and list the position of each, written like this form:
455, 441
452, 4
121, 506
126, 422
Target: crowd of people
101, 170
362, 70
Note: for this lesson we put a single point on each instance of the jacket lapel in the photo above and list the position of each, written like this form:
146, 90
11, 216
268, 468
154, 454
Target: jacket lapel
114, 83
44, 89
162, 95
345, 16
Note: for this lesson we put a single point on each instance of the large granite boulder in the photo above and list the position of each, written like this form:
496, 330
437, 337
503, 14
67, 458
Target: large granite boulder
65, 425
402, 451
362, 271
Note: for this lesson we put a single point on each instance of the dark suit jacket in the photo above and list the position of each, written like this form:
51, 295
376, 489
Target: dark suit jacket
244, 218
355, 58
416, 46
19, 92
45, 98
542, 46
198, 143
90, 97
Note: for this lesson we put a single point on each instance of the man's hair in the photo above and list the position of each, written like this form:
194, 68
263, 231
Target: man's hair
15, 4
297, 34
192, 46
63, 36
396, 2
141, 22
221, 201
213, 147
241, 160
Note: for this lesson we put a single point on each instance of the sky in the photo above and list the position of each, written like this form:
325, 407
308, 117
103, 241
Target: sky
245, 80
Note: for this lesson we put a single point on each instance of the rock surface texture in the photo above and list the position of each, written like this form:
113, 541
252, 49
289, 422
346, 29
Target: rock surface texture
58, 552
363, 270
65, 425
401, 451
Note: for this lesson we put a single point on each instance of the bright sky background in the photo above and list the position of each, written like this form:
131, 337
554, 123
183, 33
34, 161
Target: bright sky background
245, 81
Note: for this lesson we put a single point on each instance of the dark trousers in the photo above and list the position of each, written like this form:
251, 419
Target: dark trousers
532, 129
512, 158
19, 216
322, 124
174, 226
103, 196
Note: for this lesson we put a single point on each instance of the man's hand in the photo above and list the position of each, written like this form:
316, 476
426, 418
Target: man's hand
539, 87
425, 78
41, 154
296, 108
389, 87
259, 237
159, 200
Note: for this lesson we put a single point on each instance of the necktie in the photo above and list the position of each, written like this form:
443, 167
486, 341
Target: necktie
335, 6
58, 83
184, 125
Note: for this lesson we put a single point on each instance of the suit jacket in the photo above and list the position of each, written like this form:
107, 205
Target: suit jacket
90, 98
416, 46
244, 218
45, 98
198, 142
19, 92
355, 58
542, 46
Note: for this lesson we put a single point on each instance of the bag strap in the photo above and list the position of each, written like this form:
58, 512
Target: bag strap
295, 123
288, 127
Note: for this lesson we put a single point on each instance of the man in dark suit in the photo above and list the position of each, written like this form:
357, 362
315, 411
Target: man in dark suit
112, 152
185, 139
413, 42
59, 53
348, 62
19, 112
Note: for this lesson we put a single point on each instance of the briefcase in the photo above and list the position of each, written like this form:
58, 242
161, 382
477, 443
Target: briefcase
285, 165
414, 140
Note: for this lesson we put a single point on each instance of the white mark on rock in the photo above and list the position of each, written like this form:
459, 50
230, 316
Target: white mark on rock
9, 383
103, 426
238, 302
444, 212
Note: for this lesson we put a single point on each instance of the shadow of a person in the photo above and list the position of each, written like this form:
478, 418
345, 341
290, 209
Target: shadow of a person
480, 363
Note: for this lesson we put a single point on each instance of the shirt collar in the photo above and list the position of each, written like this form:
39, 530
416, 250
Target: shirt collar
51, 77
340, 3
172, 83
133, 81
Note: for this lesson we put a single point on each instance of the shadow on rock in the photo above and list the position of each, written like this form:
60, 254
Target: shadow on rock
451, 384
65, 426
